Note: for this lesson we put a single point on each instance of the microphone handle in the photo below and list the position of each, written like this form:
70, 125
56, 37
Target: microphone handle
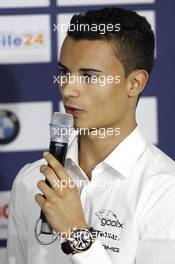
58, 150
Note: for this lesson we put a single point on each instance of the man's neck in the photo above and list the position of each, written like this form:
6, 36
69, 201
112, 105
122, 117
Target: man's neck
93, 149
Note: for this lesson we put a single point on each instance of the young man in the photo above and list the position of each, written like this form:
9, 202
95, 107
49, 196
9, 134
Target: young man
133, 213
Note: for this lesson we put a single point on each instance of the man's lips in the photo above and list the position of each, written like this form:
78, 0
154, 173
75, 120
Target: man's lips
73, 110
72, 107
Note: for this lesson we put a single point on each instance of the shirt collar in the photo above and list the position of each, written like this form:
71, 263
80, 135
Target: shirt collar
122, 159
125, 155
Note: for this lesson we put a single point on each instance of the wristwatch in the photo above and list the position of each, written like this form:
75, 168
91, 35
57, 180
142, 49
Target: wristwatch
79, 240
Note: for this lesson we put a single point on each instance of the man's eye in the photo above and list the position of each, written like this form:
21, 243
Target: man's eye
88, 77
63, 72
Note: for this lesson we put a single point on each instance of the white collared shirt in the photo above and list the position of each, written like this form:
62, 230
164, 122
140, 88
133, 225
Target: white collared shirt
130, 201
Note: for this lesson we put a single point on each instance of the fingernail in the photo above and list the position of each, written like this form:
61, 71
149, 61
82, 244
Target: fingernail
45, 153
42, 168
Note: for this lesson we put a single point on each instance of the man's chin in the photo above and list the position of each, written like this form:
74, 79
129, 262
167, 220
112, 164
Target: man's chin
83, 125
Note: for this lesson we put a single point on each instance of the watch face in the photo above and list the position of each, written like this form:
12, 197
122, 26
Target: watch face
80, 240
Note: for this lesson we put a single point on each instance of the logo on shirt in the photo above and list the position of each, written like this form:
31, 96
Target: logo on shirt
110, 232
108, 218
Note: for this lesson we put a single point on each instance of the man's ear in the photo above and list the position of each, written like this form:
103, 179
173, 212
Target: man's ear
137, 81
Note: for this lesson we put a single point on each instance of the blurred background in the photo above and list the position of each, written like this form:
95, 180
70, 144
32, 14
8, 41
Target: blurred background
29, 51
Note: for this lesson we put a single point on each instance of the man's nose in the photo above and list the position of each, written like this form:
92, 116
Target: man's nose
71, 86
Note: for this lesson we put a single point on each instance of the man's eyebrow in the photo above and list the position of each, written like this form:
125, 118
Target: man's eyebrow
81, 69
89, 69
60, 64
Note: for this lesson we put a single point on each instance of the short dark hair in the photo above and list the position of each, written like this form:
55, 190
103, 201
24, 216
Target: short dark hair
134, 42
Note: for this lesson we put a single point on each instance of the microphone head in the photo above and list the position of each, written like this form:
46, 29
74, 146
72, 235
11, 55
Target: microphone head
60, 127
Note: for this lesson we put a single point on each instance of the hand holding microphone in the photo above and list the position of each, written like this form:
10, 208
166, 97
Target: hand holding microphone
58, 148
61, 207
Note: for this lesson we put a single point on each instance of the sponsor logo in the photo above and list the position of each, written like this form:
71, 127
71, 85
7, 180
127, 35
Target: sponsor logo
22, 40
102, 234
9, 127
111, 230
108, 222
113, 249
108, 218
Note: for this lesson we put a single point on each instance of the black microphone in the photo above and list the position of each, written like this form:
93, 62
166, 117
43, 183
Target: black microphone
59, 134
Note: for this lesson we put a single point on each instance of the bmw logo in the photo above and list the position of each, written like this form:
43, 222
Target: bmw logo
9, 127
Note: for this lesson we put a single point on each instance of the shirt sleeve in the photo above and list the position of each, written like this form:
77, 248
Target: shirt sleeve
16, 237
96, 253
157, 238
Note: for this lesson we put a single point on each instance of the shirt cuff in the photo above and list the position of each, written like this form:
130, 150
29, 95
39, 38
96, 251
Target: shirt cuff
96, 253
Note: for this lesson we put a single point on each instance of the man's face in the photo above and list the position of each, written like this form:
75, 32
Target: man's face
102, 106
